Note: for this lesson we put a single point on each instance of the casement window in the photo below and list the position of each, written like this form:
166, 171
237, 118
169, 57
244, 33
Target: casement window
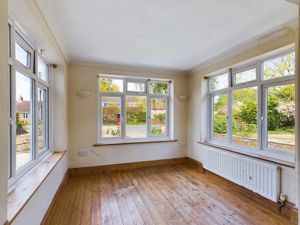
252, 107
29, 104
133, 108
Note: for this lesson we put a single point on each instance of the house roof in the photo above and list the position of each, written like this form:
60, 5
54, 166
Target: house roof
23, 106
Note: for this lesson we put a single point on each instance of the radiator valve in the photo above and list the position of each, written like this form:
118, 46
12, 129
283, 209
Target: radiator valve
282, 201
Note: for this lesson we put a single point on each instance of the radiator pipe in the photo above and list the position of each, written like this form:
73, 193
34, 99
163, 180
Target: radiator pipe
282, 204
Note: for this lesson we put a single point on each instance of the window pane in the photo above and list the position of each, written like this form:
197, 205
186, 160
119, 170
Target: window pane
136, 87
111, 85
281, 117
136, 116
280, 66
42, 69
159, 108
9, 40
244, 117
245, 76
23, 120
111, 116
11, 131
218, 82
220, 116
159, 88
22, 55
42, 119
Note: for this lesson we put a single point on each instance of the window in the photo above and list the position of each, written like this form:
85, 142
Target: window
22, 55
244, 117
245, 76
136, 87
219, 116
29, 107
281, 66
159, 88
257, 110
42, 69
111, 116
42, 123
136, 116
23, 107
281, 117
111, 85
133, 108
218, 82
159, 116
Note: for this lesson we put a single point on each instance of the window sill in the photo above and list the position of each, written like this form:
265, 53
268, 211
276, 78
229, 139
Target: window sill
134, 142
25, 189
288, 162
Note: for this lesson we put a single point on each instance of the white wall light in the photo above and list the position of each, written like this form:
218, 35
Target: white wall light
182, 97
83, 93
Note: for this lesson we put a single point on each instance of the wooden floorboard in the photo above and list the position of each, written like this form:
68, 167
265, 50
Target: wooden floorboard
177, 195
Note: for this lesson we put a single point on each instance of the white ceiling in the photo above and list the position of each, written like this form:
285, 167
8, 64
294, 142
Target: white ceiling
169, 34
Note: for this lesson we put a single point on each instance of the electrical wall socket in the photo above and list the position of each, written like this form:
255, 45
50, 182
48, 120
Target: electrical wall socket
82, 152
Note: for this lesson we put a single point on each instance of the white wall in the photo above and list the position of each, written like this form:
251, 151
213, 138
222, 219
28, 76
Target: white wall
35, 210
197, 117
83, 120
60, 108
4, 102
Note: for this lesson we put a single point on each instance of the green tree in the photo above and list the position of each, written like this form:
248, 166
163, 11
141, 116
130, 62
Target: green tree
281, 107
220, 124
20, 125
281, 66
106, 85
161, 88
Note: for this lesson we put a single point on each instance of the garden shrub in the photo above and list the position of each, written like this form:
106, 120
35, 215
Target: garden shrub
220, 124
160, 116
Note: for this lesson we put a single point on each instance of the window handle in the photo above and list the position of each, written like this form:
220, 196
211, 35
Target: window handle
11, 121
261, 118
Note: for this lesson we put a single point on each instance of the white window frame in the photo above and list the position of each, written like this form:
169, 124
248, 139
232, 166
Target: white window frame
262, 86
123, 95
243, 69
20, 40
211, 116
219, 74
16, 34
142, 81
46, 128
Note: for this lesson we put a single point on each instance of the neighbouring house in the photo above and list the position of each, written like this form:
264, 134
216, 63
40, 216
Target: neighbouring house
23, 108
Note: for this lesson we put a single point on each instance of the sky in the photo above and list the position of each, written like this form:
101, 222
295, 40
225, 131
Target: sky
23, 86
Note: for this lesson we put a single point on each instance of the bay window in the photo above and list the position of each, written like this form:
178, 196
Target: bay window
29, 105
133, 108
252, 107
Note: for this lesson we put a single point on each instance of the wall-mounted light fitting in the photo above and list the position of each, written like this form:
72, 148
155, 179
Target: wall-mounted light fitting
83, 93
182, 97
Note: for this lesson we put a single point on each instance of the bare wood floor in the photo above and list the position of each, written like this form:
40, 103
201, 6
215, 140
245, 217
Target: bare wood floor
166, 195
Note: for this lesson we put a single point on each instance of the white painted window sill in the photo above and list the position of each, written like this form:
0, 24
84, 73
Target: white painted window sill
135, 142
284, 159
23, 191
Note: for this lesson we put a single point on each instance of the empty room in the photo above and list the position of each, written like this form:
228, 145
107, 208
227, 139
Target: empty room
162, 112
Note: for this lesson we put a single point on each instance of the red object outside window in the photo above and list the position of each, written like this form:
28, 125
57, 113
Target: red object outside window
119, 119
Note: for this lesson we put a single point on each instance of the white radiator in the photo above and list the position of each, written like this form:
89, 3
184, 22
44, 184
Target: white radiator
255, 175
